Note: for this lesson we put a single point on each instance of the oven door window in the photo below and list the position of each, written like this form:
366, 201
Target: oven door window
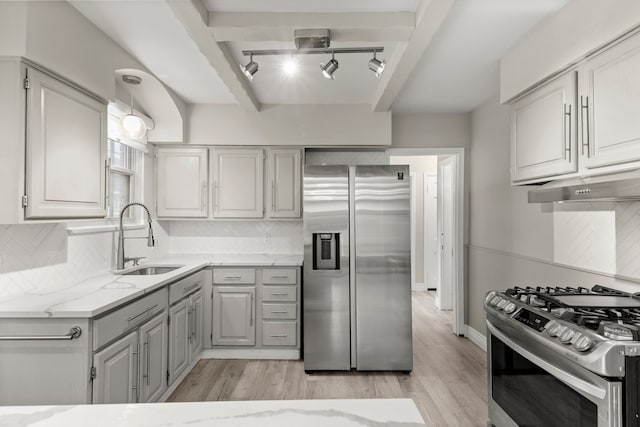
533, 397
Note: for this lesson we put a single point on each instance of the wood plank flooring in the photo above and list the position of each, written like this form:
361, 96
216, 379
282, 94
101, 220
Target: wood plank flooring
448, 382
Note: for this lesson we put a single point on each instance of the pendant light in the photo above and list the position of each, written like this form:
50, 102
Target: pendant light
133, 127
330, 67
377, 66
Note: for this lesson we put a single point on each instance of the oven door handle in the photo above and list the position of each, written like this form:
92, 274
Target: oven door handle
575, 382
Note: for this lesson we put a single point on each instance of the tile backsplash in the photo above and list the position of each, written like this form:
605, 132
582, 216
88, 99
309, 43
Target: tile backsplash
235, 237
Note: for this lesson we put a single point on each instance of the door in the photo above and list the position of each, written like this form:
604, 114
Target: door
543, 131
432, 261
238, 183
446, 221
609, 92
326, 300
178, 339
196, 303
383, 268
284, 183
182, 176
234, 315
116, 372
66, 150
153, 359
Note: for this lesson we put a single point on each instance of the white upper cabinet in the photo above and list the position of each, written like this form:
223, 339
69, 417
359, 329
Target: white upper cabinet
610, 101
182, 182
283, 184
238, 183
543, 131
65, 150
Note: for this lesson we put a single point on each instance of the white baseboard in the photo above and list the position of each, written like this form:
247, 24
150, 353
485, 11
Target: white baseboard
419, 287
476, 337
251, 353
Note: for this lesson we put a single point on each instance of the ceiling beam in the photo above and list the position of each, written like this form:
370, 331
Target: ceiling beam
430, 16
191, 15
344, 26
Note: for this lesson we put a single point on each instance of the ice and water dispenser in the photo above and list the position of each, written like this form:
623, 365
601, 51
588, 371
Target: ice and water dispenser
326, 251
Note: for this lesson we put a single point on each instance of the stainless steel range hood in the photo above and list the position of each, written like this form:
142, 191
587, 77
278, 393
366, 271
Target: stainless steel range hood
612, 187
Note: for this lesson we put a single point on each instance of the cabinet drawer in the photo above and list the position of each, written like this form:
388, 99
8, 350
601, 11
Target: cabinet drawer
114, 324
186, 286
279, 311
244, 276
279, 293
279, 333
277, 276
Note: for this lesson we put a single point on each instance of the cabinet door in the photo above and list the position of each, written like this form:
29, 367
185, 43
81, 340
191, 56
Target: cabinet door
153, 359
196, 302
182, 187
284, 183
543, 131
116, 378
609, 94
234, 315
178, 339
66, 150
238, 182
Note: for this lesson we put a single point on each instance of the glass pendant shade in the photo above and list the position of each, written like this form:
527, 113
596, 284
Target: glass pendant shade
133, 127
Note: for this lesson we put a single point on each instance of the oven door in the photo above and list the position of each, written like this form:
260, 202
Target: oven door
530, 385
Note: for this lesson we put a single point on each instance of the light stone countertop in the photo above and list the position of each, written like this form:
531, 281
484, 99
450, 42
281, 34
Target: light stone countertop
106, 290
281, 413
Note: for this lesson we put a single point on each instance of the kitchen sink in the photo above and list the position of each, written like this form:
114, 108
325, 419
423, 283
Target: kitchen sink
151, 270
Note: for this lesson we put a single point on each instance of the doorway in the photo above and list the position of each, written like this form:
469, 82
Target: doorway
437, 221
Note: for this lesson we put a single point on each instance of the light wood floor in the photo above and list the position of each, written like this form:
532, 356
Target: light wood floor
448, 382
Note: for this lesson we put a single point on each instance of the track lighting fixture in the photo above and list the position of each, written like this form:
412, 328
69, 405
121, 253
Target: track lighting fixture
250, 69
330, 67
377, 66
133, 127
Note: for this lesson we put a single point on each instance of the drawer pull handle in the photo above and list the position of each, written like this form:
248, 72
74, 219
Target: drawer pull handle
232, 277
145, 311
279, 335
74, 332
280, 277
190, 288
280, 294
279, 312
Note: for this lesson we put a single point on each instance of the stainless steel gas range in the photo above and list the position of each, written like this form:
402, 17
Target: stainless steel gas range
563, 357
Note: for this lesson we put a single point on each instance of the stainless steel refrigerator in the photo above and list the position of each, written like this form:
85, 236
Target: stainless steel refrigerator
357, 267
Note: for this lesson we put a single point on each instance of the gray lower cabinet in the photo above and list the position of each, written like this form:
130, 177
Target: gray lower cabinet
234, 315
185, 333
133, 368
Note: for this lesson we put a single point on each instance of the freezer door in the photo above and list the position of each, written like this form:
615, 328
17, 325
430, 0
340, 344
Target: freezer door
326, 340
383, 268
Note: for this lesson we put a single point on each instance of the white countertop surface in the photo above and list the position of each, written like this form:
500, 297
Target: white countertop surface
106, 290
281, 413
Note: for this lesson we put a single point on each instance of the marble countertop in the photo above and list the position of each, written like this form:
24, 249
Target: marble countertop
281, 413
106, 290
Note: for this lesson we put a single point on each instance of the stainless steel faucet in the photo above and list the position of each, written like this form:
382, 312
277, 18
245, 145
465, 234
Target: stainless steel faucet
122, 260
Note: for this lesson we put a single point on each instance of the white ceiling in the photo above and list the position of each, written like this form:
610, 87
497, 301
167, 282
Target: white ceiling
149, 31
311, 5
458, 71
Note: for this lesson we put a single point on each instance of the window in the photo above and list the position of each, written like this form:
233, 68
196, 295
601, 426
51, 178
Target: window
124, 171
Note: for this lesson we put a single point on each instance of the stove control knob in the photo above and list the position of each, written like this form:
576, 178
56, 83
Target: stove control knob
494, 302
502, 304
583, 343
567, 336
509, 308
489, 297
556, 330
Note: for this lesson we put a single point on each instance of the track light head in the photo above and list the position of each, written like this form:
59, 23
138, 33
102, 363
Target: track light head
329, 68
377, 66
250, 69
